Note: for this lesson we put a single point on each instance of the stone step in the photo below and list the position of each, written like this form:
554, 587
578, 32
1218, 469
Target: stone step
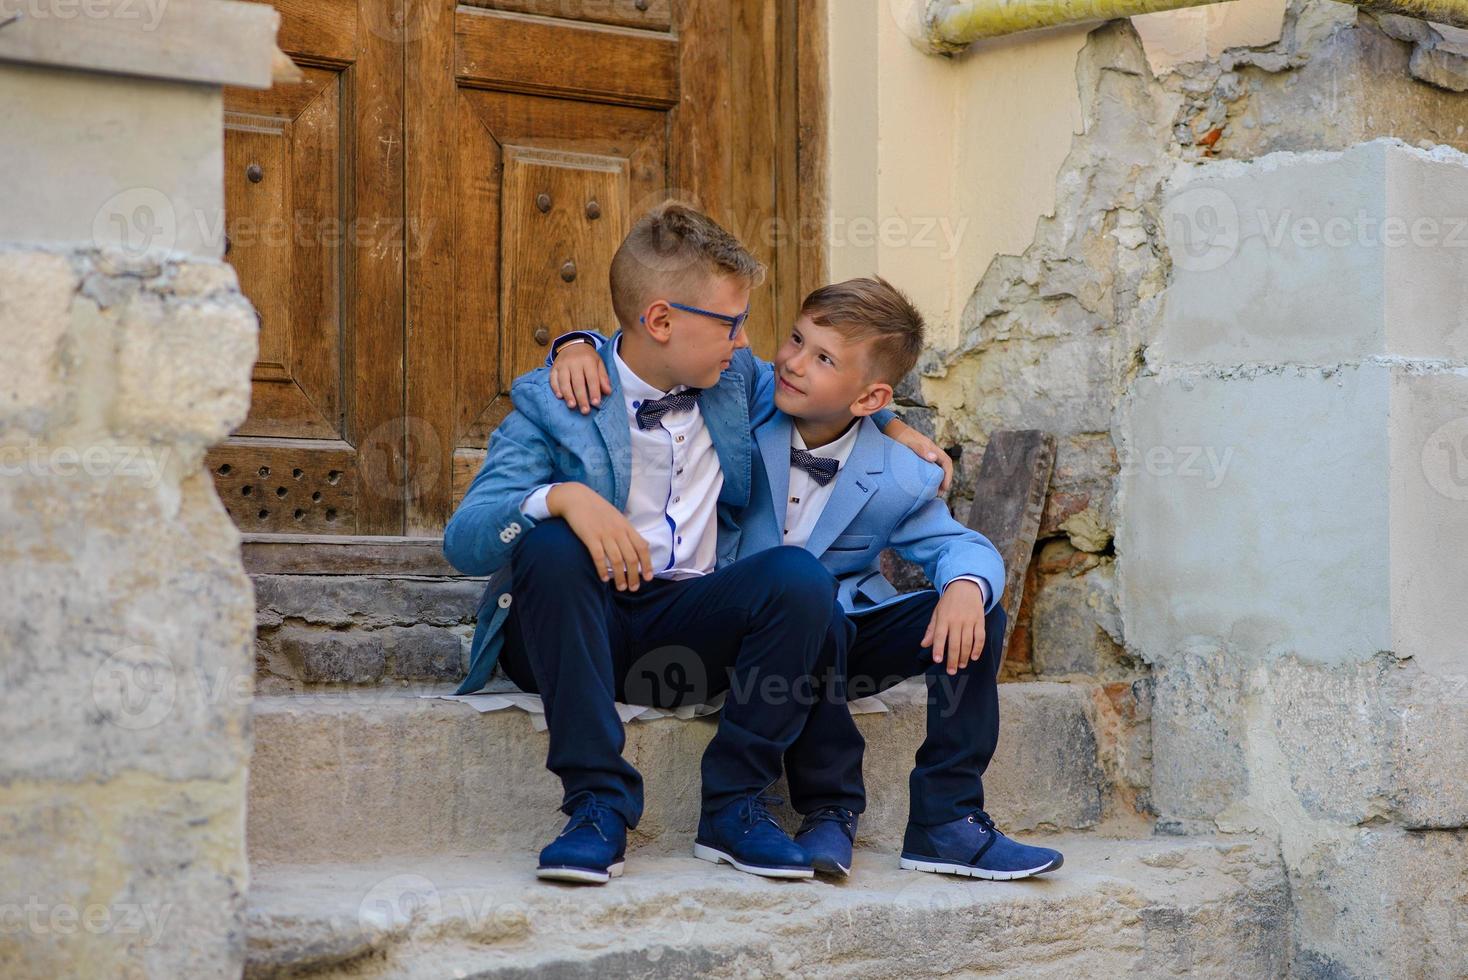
377, 773
1152, 907
361, 630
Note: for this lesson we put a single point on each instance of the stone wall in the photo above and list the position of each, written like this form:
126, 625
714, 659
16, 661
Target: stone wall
126, 619
1296, 659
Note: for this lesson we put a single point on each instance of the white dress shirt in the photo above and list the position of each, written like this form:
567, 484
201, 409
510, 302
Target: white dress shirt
676, 480
808, 498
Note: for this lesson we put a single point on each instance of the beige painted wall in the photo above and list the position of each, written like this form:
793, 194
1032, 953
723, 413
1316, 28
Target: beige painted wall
940, 164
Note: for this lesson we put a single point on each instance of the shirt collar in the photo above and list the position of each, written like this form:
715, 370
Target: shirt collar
635, 391
838, 449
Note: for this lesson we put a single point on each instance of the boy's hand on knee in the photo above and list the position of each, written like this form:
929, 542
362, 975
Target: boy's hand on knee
956, 631
618, 551
578, 376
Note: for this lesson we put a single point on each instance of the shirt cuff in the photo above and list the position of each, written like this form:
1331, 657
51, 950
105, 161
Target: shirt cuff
534, 506
983, 586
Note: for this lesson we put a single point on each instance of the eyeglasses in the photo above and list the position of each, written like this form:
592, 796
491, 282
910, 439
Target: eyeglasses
734, 322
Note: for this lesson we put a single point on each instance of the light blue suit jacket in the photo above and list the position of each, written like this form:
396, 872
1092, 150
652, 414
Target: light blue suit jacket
542, 441
885, 496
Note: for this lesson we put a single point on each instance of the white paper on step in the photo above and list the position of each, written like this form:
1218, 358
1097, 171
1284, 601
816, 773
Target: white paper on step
505, 696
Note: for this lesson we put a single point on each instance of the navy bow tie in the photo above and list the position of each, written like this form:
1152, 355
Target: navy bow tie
650, 413
822, 469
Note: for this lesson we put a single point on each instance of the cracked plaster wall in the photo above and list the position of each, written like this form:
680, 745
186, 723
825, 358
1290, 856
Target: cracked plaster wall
1339, 730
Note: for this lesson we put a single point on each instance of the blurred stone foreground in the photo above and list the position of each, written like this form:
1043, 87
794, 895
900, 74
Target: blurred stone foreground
1238, 693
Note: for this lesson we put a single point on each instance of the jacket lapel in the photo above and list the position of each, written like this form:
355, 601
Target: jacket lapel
725, 409
773, 439
611, 422
854, 487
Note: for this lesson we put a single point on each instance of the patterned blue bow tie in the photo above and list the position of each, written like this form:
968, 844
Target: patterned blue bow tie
650, 413
822, 469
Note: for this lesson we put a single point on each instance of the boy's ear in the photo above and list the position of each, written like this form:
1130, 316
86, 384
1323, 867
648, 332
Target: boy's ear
655, 320
876, 396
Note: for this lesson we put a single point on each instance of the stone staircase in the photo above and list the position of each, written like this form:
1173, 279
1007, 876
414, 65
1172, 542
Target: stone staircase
392, 835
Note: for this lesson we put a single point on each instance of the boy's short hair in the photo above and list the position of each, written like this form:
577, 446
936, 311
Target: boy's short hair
875, 310
671, 251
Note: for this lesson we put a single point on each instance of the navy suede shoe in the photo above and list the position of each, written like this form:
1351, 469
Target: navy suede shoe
744, 833
591, 849
973, 846
827, 836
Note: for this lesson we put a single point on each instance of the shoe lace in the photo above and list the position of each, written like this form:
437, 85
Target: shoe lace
835, 814
756, 809
980, 817
589, 811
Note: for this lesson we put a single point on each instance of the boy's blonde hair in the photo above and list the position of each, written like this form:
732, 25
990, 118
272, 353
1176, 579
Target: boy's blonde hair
670, 253
875, 310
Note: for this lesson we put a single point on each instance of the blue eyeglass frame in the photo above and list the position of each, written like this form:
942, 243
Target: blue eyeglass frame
735, 322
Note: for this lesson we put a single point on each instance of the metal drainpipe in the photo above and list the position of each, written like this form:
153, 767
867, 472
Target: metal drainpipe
951, 25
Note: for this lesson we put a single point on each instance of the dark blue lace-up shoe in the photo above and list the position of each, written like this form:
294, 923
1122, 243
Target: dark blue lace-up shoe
972, 846
591, 849
827, 836
745, 834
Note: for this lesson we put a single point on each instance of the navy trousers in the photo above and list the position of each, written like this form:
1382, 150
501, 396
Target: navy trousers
823, 767
760, 629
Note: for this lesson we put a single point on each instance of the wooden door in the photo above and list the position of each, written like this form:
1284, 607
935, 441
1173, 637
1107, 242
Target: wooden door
513, 149
313, 223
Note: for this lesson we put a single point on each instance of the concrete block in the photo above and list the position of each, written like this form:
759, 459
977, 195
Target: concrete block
1136, 908
1317, 257
1382, 902
399, 653
396, 774
367, 602
1260, 511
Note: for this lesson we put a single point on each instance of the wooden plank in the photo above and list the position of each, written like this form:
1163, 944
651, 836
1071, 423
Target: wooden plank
304, 554
540, 55
467, 463
1009, 497
786, 152
812, 173
318, 31
218, 42
654, 15
375, 259
701, 151
432, 211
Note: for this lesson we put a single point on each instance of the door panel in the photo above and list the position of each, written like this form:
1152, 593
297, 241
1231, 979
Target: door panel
443, 194
313, 225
